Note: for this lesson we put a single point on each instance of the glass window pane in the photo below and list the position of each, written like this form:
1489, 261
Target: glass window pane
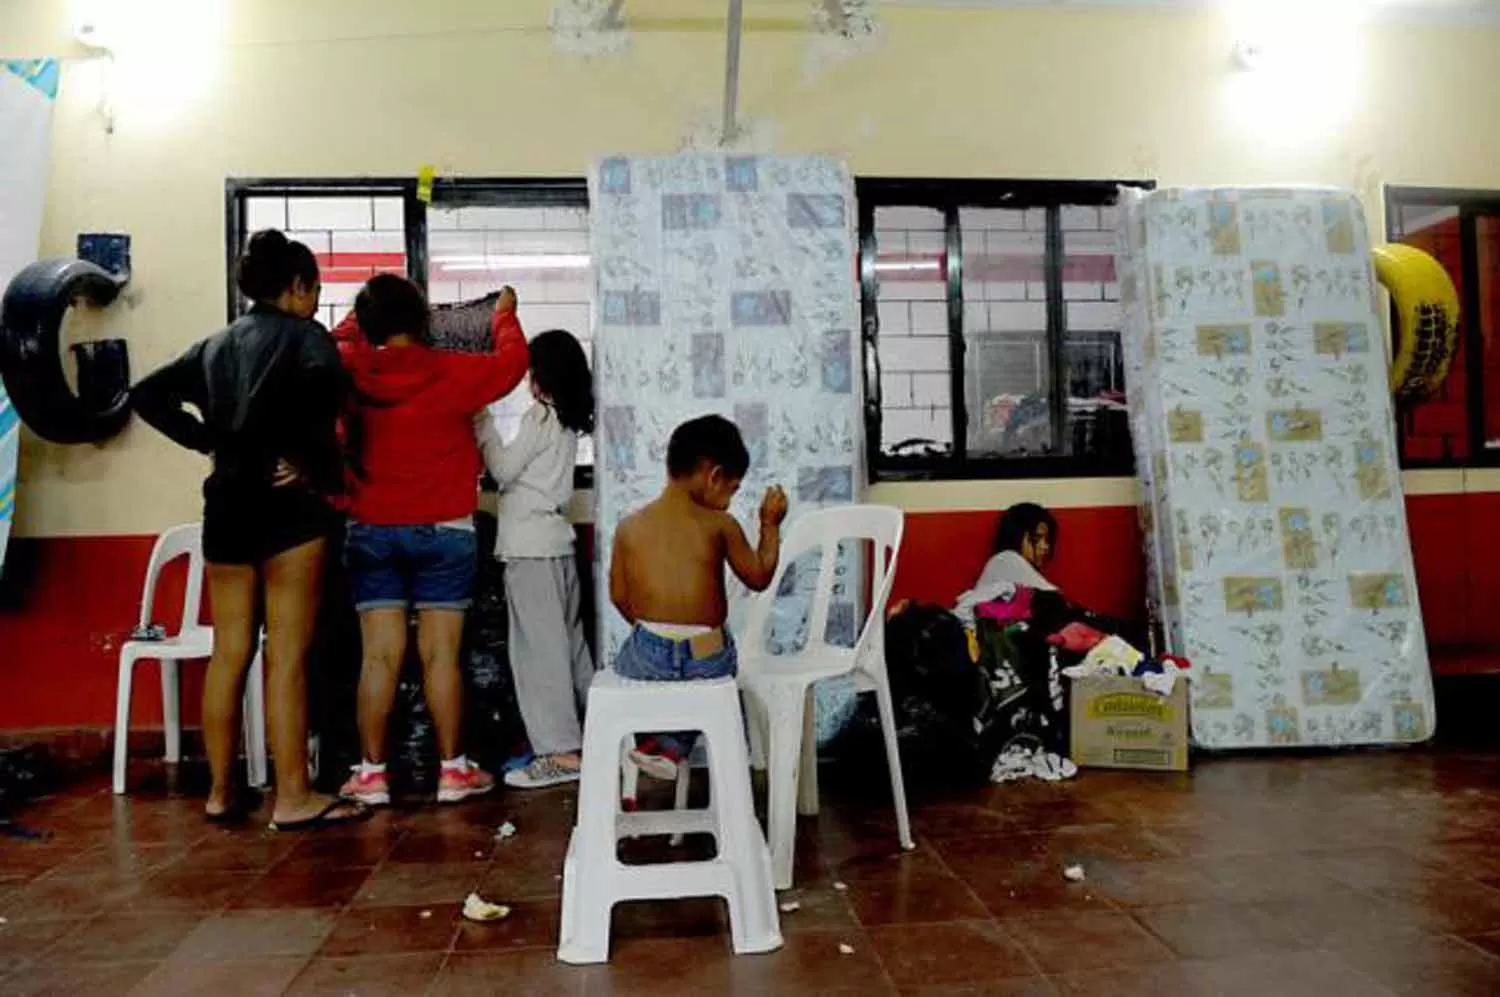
1007, 375
353, 239
1437, 429
1097, 423
542, 252
911, 296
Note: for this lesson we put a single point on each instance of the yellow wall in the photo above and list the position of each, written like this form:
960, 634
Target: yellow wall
340, 87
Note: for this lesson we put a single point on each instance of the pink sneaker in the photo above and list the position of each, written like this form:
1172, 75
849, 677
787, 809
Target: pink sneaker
370, 788
458, 784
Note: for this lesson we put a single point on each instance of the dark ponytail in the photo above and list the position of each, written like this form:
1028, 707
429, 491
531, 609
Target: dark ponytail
561, 371
272, 263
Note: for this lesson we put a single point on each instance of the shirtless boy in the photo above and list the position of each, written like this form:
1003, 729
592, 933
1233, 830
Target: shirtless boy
667, 572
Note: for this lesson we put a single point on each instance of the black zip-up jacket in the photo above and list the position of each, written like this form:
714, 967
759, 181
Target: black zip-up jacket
270, 387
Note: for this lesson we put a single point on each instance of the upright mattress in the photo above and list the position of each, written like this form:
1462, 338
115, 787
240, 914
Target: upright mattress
723, 286
1271, 500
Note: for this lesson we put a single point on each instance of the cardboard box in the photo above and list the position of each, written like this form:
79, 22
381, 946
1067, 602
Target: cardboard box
1117, 723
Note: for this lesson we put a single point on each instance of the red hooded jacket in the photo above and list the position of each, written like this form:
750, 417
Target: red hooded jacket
419, 461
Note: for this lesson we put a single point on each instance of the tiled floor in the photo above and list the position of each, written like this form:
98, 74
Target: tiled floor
1364, 873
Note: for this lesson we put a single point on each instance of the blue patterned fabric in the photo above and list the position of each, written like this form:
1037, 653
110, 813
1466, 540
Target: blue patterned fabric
726, 285
27, 89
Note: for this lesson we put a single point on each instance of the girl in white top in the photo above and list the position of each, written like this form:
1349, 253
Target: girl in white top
1024, 544
549, 657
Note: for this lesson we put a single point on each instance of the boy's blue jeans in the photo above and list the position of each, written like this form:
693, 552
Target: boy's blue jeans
650, 657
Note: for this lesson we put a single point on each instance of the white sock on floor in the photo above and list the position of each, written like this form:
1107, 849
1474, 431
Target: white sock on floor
367, 767
458, 764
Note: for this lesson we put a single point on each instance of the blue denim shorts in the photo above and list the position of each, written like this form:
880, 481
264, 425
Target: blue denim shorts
411, 567
650, 657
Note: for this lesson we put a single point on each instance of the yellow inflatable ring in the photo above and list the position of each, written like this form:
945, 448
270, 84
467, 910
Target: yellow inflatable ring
1426, 332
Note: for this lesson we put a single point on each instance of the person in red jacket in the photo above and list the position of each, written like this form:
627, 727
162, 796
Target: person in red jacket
413, 495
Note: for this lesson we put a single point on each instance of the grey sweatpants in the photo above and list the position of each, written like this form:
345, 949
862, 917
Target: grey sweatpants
548, 655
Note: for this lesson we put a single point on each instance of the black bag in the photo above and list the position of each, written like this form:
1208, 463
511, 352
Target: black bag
941, 696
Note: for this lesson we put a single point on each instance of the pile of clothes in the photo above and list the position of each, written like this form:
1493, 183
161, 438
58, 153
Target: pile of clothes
979, 691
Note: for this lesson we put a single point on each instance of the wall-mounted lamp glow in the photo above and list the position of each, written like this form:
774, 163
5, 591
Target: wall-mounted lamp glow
91, 24
1299, 68
1250, 55
155, 58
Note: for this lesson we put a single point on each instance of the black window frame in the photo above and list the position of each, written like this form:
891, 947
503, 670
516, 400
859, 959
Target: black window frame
529, 192
1471, 203
948, 196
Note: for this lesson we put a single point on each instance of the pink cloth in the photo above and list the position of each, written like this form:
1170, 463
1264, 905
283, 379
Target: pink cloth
1080, 638
1012, 610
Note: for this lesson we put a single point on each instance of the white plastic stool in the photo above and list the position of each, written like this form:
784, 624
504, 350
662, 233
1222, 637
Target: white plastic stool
192, 641
594, 879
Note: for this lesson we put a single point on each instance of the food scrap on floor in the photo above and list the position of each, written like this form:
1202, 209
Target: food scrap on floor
476, 908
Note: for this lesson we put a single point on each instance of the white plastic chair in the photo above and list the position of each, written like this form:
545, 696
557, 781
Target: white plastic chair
780, 687
594, 878
192, 641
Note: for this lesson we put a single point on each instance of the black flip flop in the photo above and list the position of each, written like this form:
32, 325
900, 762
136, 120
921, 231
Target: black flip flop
324, 818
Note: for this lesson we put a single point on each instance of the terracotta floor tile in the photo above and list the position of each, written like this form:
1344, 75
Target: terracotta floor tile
1251, 878
1218, 931
71, 979
30, 859
256, 852
533, 972
1378, 867
1010, 882
465, 845
960, 952
925, 898
345, 850
361, 931
1455, 905
123, 862
1287, 974
1031, 986
819, 908
123, 938
367, 976
416, 883
670, 967
245, 978
198, 892
1078, 940
1489, 942
1433, 966
1154, 882
1167, 979
532, 872
47, 897
811, 964
301, 886
1342, 918
1235, 868
257, 934
22, 942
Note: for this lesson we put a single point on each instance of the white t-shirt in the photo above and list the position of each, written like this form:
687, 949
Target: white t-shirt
998, 580
535, 474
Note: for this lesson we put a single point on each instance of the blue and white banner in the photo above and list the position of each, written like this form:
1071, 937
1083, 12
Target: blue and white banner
28, 88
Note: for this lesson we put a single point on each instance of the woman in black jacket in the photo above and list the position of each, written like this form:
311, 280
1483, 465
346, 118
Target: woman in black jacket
268, 391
